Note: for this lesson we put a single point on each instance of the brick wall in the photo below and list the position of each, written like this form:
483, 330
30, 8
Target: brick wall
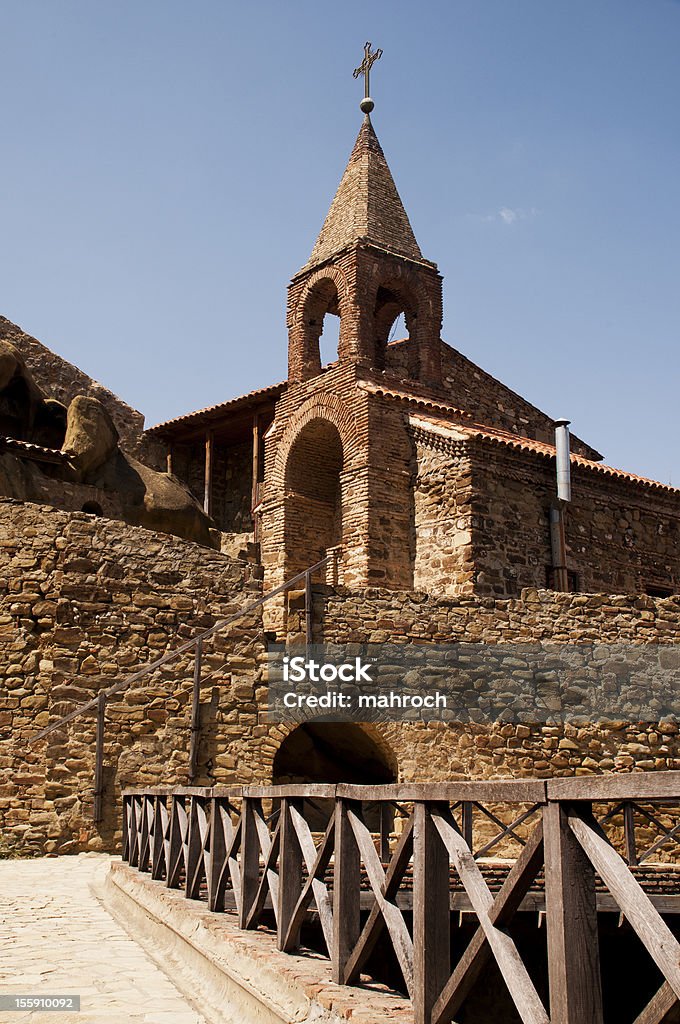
367, 287
331, 398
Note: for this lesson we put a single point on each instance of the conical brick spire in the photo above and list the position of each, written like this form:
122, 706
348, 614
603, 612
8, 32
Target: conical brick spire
366, 206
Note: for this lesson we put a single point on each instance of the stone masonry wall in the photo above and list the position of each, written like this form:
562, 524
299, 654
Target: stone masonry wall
470, 388
442, 521
441, 751
621, 535
83, 602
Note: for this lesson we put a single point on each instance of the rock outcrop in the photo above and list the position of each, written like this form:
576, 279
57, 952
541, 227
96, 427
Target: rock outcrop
84, 469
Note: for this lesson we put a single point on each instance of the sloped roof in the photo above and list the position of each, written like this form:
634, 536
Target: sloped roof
366, 206
460, 431
436, 404
422, 401
28, 450
270, 393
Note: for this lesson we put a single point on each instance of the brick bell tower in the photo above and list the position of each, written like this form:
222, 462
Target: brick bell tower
366, 267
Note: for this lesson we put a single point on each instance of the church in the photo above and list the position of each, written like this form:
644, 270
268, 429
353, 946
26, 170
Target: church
409, 464
397, 495
432, 502
417, 467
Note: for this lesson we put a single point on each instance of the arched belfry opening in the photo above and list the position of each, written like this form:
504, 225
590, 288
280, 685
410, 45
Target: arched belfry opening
316, 305
333, 752
313, 512
366, 241
394, 306
322, 304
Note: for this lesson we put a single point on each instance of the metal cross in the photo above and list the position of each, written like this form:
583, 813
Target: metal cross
366, 65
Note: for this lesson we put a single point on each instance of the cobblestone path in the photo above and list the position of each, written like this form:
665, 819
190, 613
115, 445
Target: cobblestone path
57, 938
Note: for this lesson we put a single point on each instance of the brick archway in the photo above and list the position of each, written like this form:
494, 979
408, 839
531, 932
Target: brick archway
402, 291
323, 406
324, 292
313, 495
317, 460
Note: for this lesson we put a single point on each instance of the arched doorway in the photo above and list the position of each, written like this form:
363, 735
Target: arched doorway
313, 495
332, 753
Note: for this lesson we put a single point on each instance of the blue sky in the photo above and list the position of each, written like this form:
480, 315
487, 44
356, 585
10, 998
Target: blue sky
166, 167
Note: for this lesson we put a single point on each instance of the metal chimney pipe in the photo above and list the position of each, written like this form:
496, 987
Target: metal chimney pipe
563, 460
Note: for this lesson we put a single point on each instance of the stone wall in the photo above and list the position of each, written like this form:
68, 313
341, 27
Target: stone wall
84, 601
481, 522
441, 751
622, 536
470, 388
442, 521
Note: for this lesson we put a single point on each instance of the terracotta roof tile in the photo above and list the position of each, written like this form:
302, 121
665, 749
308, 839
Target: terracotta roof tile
422, 401
540, 448
214, 411
32, 451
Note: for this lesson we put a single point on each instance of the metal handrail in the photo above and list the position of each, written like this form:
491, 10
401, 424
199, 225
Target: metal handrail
122, 684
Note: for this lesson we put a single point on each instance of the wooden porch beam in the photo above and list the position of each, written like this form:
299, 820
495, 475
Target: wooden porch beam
209, 460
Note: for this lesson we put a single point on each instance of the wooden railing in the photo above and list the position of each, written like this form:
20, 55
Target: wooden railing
393, 864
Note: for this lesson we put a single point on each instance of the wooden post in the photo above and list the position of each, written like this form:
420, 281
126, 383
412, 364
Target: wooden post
175, 855
346, 891
99, 760
250, 858
290, 873
160, 821
217, 875
468, 808
127, 800
209, 459
629, 832
135, 827
195, 714
194, 859
255, 489
571, 917
431, 915
145, 833
309, 610
385, 829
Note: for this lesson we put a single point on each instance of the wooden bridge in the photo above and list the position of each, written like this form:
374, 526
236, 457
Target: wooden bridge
425, 886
